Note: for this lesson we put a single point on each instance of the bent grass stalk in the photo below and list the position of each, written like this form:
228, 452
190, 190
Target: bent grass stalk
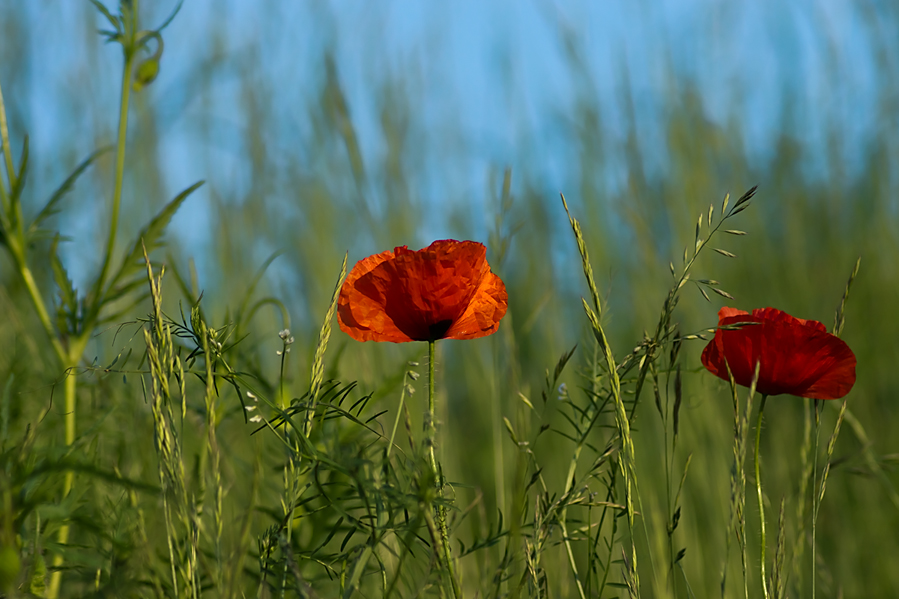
627, 462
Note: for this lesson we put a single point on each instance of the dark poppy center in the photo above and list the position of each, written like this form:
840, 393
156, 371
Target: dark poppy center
438, 329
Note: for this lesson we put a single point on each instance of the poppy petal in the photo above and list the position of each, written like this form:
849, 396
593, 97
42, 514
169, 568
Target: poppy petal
484, 312
360, 315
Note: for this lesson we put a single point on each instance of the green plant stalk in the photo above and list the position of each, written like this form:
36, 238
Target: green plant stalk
70, 359
758, 487
439, 511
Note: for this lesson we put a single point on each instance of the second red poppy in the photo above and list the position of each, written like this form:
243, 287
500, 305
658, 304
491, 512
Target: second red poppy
796, 356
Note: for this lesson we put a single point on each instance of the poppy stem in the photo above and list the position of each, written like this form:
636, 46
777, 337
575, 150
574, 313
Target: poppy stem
432, 430
758, 486
439, 510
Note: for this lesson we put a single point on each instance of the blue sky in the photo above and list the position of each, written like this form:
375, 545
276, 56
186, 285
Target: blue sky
488, 81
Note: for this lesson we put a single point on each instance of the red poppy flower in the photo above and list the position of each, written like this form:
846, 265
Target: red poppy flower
797, 356
444, 291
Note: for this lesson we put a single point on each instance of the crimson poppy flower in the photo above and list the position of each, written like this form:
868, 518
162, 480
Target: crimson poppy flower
796, 356
444, 291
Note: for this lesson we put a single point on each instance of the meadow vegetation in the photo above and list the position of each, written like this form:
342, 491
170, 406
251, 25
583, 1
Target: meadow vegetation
196, 425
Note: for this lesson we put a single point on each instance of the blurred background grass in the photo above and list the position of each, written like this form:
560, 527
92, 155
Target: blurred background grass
330, 127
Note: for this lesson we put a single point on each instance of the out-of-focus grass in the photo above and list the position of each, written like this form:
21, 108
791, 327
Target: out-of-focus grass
316, 201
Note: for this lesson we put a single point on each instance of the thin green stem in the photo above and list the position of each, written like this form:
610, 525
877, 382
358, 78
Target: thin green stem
119, 170
758, 487
563, 518
815, 502
439, 510
41, 309
432, 460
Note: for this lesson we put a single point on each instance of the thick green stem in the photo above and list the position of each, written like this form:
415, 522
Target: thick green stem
439, 511
68, 481
758, 486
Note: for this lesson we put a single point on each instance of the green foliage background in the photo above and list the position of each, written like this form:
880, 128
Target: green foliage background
316, 201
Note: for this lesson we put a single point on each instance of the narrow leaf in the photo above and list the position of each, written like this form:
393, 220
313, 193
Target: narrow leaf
746, 196
67, 293
50, 208
151, 235
105, 12
171, 16
19, 182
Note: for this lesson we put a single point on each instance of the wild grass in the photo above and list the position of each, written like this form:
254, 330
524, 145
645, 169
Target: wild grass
178, 425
